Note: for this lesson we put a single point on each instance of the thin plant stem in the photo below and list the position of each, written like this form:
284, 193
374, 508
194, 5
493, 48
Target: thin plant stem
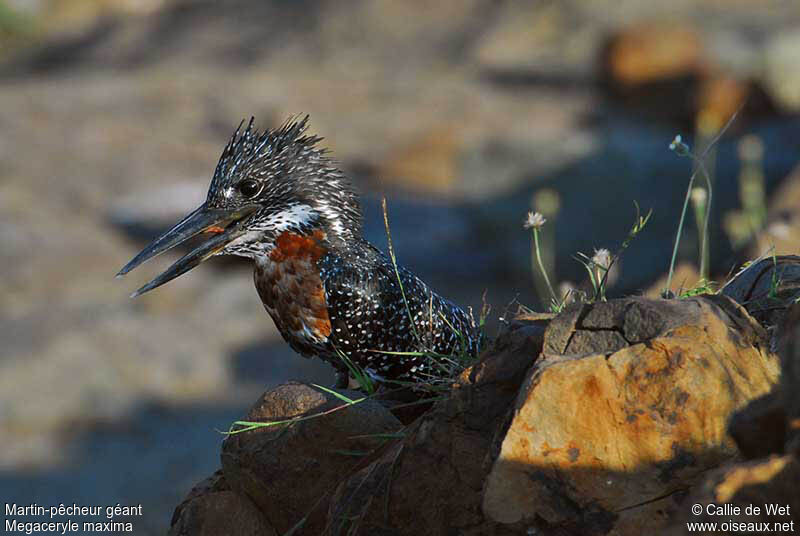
704, 253
638, 226
397, 271
541, 264
688, 194
678, 234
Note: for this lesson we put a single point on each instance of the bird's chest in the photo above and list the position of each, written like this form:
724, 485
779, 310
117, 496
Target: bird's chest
288, 282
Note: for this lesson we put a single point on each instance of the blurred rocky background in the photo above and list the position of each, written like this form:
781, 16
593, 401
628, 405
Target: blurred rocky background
465, 114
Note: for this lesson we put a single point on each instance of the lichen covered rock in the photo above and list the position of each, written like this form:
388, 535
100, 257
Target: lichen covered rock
628, 406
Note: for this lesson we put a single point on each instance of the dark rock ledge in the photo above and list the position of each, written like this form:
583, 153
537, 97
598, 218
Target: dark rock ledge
610, 418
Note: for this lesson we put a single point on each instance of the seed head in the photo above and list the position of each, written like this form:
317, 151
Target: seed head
602, 258
677, 145
534, 220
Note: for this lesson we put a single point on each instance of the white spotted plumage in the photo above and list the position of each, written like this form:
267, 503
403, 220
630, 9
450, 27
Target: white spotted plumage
373, 309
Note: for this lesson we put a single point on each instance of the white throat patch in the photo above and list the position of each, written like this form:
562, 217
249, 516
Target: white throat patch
294, 217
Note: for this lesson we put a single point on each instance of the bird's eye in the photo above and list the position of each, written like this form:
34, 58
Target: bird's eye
249, 188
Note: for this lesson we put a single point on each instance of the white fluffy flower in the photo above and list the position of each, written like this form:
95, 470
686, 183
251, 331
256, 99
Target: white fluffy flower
534, 220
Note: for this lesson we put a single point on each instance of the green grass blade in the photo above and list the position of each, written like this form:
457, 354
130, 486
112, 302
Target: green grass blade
340, 396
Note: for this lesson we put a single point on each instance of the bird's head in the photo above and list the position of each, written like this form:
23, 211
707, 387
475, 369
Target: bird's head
265, 183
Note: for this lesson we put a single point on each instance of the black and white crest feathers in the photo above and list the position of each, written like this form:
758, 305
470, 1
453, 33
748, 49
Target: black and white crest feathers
269, 149
291, 170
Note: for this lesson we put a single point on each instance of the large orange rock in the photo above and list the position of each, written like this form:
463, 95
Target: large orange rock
627, 408
767, 429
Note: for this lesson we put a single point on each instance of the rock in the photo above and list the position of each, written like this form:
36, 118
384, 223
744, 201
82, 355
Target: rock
594, 421
673, 71
790, 377
655, 69
647, 53
430, 481
626, 409
759, 428
212, 509
289, 471
770, 481
510, 354
766, 288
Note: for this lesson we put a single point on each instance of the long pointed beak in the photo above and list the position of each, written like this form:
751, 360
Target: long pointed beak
224, 223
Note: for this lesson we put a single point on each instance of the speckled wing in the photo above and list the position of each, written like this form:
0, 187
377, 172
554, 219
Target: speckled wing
370, 318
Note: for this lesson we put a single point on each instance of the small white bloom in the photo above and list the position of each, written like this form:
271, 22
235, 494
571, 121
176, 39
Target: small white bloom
534, 220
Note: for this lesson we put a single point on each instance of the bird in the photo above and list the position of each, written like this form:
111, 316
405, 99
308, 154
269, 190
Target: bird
280, 199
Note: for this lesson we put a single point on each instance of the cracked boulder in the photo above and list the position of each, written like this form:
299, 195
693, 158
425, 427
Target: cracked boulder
761, 493
624, 412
